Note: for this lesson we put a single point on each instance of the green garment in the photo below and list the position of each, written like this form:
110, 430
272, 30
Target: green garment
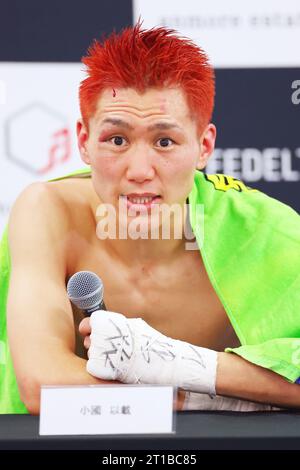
251, 252
250, 245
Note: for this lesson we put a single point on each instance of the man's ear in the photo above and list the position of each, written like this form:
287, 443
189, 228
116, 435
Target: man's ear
207, 145
82, 136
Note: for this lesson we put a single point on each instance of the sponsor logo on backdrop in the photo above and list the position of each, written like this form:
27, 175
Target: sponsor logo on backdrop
37, 138
296, 94
256, 21
253, 164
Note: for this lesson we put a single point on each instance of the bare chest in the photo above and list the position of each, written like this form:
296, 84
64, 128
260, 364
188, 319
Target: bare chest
176, 299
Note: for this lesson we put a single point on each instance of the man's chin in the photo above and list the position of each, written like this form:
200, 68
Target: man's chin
140, 227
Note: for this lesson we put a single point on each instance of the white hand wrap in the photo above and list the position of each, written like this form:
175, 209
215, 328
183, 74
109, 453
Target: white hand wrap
199, 401
131, 351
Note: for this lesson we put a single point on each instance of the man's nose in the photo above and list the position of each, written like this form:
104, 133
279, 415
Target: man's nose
140, 165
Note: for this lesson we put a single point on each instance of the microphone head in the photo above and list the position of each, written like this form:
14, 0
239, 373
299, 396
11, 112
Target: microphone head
85, 290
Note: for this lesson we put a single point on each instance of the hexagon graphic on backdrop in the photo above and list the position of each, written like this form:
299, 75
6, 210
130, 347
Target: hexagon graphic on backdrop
37, 138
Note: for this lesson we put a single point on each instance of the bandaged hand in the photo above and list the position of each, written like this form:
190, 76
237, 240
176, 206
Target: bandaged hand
131, 351
200, 401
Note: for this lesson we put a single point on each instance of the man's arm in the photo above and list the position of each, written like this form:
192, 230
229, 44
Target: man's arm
39, 315
140, 354
239, 378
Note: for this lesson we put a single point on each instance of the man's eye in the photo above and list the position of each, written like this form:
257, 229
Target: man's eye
165, 142
117, 140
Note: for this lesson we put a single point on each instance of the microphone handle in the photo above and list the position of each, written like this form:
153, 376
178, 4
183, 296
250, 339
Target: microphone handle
88, 312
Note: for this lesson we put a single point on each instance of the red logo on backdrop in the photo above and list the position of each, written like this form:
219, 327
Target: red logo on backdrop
60, 150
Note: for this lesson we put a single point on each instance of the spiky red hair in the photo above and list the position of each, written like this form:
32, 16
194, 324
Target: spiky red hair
140, 59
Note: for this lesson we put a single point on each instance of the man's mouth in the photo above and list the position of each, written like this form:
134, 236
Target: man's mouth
143, 200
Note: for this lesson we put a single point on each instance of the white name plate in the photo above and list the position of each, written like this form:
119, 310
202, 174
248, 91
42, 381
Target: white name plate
106, 409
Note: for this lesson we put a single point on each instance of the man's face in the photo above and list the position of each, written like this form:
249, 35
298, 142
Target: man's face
144, 143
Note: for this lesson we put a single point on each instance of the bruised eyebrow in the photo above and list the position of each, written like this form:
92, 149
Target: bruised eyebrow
158, 125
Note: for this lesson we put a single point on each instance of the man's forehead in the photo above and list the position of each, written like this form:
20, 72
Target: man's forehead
168, 101
157, 125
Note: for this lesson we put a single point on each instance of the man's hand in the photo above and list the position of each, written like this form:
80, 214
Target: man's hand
132, 351
85, 331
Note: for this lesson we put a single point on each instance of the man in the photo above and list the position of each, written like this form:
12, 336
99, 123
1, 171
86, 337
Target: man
145, 131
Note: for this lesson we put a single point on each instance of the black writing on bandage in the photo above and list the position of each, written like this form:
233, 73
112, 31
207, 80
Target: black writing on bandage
196, 357
158, 348
120, 340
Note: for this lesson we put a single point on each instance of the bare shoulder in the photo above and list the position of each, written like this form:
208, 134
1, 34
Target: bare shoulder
72, 192
37, 208
57, 202
46, 218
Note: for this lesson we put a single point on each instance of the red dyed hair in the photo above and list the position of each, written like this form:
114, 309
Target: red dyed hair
141, 59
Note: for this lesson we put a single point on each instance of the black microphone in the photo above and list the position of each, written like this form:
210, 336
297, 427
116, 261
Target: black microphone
85, 290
